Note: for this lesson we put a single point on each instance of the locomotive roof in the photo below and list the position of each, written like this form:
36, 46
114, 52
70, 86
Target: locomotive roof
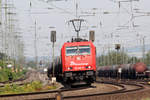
78, 43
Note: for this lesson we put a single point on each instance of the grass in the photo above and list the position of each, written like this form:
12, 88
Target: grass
34, 86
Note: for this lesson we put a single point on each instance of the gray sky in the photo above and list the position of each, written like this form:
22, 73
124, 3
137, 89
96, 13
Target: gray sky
111, 23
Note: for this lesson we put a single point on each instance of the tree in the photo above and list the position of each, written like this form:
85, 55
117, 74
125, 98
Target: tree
113, 58
2, 55
133, 60
147, 58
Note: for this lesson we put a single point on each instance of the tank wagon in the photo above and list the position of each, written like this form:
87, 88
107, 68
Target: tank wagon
131, 71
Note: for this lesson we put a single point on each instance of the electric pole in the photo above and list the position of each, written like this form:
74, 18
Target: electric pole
35, 46
143, 39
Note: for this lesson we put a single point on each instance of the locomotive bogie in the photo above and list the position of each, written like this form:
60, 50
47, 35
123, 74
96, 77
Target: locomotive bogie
82, 76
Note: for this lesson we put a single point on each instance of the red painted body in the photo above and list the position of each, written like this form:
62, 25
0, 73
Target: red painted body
78, 62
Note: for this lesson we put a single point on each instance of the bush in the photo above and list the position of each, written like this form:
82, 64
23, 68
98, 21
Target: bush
3, 76
6, 74
7, 87
37, 85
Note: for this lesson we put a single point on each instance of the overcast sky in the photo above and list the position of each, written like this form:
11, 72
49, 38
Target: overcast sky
113, 23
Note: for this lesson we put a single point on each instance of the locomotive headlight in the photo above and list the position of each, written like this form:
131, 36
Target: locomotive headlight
89, 67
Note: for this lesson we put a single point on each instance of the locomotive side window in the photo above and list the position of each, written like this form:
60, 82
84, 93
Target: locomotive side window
80, 50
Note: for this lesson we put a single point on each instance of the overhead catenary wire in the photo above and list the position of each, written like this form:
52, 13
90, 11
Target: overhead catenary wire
111, 29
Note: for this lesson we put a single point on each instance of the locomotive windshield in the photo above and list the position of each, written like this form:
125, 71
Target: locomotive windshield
77, 50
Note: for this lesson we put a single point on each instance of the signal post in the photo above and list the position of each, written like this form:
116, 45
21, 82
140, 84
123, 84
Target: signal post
117, 47
53, 40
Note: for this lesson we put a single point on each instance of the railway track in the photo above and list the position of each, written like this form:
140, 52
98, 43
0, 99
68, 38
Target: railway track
126, 88
7, 96
50, 95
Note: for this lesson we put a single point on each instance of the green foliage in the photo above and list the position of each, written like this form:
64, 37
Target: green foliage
7, 73
7, 87
2, 55
2, 63
4, 75
133, 60
30, 87
37, 85
113, 58
147, 59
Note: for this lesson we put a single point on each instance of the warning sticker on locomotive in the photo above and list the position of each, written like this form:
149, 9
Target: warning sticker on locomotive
73, 63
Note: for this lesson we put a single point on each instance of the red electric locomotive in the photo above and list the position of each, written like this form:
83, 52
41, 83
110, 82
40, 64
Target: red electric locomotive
79, 62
